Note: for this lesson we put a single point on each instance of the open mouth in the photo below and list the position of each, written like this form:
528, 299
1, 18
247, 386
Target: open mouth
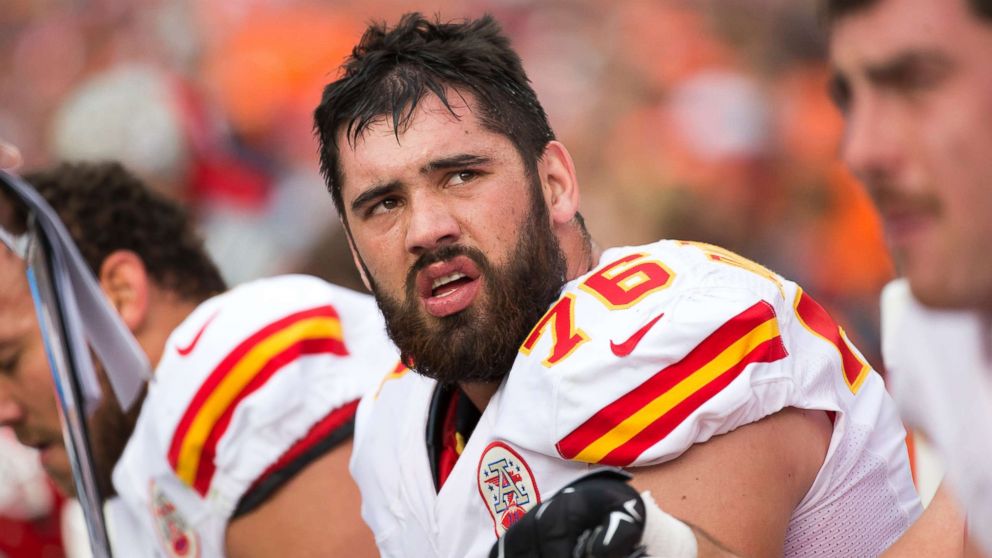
902, 226
906, 218
444, 286
448, 287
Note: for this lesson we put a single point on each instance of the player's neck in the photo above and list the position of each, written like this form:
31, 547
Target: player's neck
479, 393
594, 253
580, 250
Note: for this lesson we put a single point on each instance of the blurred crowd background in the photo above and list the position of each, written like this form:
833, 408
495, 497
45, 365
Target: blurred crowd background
695, 119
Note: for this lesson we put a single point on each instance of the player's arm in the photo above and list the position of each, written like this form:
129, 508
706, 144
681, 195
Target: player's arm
733, 495
316, 513
940, 531
743, 487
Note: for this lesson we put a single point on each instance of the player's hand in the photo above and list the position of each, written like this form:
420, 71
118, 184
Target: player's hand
598, 516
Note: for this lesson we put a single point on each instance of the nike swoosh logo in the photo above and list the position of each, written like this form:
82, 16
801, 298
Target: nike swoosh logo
184, 351
627, 347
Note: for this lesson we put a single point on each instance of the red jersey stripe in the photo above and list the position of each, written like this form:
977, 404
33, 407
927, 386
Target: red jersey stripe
769, 351
817, 320
304, 347
227, 364
327, 425
616, 412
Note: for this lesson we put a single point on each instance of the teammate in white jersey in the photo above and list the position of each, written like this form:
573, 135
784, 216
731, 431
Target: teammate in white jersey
253, 387
240, 445
727, 392
914, 82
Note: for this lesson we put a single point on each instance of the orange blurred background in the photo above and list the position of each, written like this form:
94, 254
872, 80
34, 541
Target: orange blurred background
698, 119
705, 120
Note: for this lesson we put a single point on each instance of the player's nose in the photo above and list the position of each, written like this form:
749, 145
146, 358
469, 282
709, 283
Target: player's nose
431, 223
11, 411
873, 141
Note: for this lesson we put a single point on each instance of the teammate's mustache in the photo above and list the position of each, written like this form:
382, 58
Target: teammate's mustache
893, 200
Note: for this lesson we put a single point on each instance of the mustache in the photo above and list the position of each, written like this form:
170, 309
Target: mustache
890, 198
36, 438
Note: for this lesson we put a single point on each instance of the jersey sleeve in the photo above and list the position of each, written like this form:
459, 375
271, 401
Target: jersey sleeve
256, 381
669, 349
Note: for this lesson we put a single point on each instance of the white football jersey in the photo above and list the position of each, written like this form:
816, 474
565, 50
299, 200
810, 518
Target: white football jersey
940, 374
658, 348
252, 380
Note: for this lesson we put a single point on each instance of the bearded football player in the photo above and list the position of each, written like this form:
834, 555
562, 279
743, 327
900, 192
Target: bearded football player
545, 370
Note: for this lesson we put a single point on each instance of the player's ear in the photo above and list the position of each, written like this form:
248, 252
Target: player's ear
124, 281
357, 259
559, 183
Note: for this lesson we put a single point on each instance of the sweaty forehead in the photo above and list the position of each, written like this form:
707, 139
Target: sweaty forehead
433, 131
430, 111
890, 28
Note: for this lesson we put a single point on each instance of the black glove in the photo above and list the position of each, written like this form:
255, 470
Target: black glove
598, 516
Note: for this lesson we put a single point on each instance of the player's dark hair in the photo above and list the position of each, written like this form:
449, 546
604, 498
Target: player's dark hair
391, 70
835, 9
106, 208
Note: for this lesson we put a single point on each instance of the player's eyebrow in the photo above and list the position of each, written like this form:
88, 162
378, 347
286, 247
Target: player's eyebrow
454, 161
375, 192
902, 67
904, 70
8, 345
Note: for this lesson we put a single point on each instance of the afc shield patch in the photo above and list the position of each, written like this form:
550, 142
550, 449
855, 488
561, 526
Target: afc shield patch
176, 536
506, 485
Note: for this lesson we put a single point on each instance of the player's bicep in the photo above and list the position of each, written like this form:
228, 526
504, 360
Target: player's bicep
316, 513
742, 487
940, 531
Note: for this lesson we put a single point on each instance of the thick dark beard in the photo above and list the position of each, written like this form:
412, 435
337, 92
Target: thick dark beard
480, 343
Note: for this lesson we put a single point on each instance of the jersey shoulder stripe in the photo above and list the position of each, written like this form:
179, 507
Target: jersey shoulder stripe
815, 319
329, 431
397, 372
624, 429
243, 371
